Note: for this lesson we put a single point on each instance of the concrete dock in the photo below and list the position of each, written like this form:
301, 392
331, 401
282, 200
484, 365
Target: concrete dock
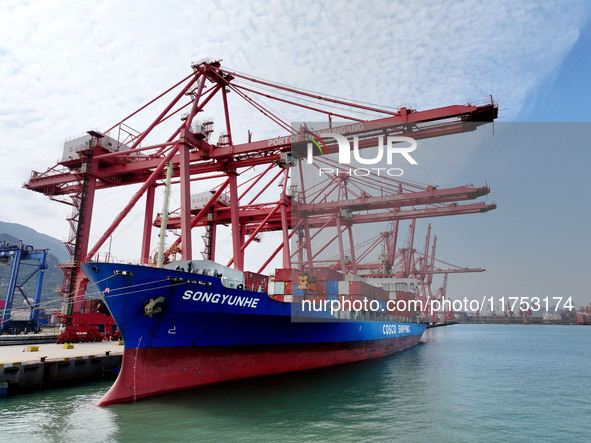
44, 365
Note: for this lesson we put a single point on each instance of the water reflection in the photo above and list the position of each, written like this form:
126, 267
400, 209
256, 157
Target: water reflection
66, 414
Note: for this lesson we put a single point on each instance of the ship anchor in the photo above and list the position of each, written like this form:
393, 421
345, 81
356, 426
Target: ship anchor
152, 308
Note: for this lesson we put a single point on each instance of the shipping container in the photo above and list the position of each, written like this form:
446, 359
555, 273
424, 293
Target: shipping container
332, 287
301, 282
361, 288
318, 287
271, 287
353, 302
355, 287
344, 288
342, 300
297, 299
357, 297
380, 294
316, 298
255, 282
368, 290
287, 274
325, 274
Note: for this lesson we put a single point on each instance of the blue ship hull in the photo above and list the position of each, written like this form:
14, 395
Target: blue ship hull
183, 330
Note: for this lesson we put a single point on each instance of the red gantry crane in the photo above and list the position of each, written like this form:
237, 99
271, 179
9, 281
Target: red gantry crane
435, 304
409, 263
123, 156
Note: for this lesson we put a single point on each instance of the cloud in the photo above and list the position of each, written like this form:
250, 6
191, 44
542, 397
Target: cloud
65, 69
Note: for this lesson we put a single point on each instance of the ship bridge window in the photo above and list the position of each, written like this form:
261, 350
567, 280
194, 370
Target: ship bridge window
232, 283
230, 278
210, 272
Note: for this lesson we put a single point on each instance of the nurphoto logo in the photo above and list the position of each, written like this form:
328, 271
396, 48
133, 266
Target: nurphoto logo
394, 145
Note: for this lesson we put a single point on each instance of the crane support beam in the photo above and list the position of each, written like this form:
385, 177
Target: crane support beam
126, 167
365, 202
255, 217
431, 196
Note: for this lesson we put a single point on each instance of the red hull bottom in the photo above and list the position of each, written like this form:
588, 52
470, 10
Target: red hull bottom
152, 371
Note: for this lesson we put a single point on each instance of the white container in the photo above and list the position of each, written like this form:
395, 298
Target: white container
344, 287
279, 287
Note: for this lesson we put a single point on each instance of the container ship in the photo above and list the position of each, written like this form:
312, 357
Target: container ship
193, 323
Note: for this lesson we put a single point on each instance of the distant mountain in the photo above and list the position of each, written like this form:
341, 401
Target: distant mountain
37, 240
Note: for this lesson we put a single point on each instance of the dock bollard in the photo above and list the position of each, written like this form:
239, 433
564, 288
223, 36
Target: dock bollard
43, 358
107, 352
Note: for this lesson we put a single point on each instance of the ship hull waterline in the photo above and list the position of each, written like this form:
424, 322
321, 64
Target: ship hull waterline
154, 371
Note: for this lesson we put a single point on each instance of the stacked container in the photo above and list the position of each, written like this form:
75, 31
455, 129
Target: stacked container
255, 282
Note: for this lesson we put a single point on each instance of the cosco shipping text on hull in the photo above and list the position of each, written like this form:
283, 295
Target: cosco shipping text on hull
198, 325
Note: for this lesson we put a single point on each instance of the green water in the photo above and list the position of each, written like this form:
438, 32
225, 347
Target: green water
464, 383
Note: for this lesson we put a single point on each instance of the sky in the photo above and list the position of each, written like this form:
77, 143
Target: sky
69, 66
